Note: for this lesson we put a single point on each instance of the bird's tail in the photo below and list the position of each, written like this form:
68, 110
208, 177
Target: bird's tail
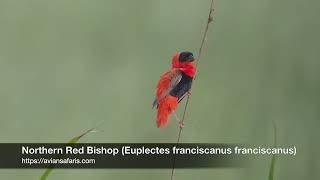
166, 107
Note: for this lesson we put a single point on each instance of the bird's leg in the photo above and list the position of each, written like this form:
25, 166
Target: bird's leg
189, 93
180, 123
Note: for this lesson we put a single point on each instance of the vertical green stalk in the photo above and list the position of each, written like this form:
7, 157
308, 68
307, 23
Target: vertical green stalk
273, 160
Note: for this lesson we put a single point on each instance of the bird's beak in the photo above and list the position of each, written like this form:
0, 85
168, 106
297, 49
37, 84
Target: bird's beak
190, 58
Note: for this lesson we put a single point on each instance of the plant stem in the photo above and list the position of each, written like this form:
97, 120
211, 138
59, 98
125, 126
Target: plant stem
204, 38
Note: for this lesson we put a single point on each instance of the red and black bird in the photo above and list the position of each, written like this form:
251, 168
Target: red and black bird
173, 86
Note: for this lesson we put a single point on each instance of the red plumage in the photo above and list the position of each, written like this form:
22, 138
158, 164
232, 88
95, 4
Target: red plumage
166, 103
166, 107
171, 87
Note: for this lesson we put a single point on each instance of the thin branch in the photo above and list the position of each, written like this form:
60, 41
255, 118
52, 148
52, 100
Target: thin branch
204, 38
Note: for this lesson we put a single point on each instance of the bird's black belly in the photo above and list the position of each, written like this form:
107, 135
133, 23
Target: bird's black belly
182, 87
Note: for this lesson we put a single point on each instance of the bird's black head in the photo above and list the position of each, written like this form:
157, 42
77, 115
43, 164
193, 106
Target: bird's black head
186, 57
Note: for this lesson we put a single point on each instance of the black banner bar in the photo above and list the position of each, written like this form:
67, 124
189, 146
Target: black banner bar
116, 155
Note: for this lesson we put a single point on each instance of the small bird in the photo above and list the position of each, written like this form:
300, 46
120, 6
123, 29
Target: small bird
173, 86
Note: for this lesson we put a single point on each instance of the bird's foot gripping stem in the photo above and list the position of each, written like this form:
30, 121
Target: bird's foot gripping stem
189, 93
180, 122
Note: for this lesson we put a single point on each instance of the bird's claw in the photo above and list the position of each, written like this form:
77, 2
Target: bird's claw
189, 93
181, 124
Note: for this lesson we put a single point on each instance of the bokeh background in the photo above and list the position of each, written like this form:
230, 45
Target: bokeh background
66, 66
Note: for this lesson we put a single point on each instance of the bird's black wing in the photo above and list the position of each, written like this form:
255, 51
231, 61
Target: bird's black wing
182, 87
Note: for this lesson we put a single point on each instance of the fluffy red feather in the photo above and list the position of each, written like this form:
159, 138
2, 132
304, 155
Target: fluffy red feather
167, 104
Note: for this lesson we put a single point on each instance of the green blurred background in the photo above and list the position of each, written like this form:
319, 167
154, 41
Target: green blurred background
67, 65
